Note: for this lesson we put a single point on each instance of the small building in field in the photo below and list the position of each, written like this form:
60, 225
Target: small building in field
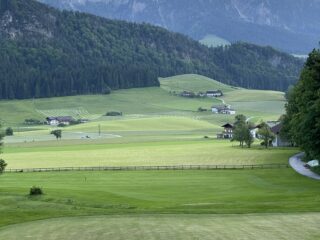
55, 121
83, 120
278, 140
223, 110
202, 94
254, 131
227, 132
214, 93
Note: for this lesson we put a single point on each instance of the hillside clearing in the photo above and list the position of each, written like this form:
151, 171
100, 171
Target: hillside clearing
212, 40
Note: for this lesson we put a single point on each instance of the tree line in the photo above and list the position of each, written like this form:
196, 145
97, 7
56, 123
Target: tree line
45, 52
301, 123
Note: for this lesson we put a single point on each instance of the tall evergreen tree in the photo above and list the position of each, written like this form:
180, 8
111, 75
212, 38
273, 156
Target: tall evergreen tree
1, 138
302, 119
3, 164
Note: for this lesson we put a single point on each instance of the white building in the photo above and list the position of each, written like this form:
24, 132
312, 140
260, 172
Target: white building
55, 121
214, 93
223, 110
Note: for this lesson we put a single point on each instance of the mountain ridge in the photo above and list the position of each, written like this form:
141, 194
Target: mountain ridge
46, 52
288, 25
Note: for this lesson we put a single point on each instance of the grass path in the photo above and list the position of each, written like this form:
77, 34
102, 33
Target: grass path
170, 227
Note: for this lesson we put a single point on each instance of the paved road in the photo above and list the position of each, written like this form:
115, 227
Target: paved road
296, 163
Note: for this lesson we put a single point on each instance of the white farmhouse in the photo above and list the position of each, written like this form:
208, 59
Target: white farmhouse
223, 110
55, 121
214, 93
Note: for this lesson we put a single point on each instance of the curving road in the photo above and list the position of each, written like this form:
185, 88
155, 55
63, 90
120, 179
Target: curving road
298, 165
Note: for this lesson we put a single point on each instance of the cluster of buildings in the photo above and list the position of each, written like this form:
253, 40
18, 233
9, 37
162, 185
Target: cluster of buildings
63, 120
210, 93
275, 127
224, 109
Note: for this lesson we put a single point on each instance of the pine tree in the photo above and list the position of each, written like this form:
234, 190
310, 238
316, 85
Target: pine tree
3, 164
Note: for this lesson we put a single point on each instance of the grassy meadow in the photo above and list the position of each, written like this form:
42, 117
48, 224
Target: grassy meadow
146, 102
156, 192
157, 128
202, 151
178, 227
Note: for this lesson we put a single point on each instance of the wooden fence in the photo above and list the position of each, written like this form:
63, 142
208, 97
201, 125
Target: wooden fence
143, 168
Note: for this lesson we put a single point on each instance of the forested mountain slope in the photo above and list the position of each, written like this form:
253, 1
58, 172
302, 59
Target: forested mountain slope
290, 25
45, 52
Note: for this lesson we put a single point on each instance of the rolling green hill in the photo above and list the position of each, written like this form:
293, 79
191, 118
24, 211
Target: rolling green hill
193, 82
148, 102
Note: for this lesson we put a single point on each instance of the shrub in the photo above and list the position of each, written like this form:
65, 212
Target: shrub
316, 169
114, 113
75, 122
9, 131
106, 90
3, 165
57, 133
32, 122
35, 191
200, 109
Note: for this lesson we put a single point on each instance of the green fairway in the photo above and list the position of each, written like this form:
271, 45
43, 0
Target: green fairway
96, 193
141, 153
175, 227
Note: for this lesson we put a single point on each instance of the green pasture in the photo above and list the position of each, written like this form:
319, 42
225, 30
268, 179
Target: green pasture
153, 192
130, 129
163, 227
145, 102
189, 152
193, 82
164, 123
132, 103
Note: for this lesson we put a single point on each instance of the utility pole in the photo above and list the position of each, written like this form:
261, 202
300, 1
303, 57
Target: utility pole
99, 130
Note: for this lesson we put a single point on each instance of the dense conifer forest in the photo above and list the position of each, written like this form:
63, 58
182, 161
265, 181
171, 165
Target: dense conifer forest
46, 52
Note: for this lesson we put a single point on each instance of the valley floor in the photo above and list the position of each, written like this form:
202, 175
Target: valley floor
157, 128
